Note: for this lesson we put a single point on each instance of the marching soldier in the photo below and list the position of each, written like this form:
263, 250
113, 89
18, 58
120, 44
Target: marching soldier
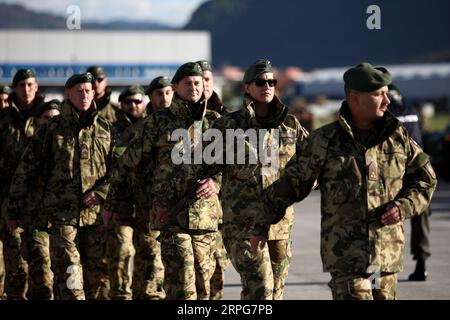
372, 176
72, 153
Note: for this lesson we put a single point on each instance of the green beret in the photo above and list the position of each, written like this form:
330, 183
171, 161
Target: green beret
22, 74
46, 106
158, 83
5, 89
205, 65
393, 87
257, 68
364, 77
96, 71
79, 78
130, 91
186, 70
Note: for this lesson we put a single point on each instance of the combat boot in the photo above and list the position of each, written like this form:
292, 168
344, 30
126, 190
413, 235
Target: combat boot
420, 274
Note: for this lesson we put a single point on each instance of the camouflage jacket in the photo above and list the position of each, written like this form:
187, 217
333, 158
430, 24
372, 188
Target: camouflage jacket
242, 187
151, 152
215, 104
106, 108
15, 132
71, 155
357, 178
124, 131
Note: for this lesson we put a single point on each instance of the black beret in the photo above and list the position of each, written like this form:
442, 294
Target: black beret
5, 89
46, 106
22, 74
364, 77
79, 78
186, 70
130, 91
158, 83
96, 71
205, 65
258, 67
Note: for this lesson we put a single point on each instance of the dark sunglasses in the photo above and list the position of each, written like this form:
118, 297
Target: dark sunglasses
262, 82
129, 101
99, 79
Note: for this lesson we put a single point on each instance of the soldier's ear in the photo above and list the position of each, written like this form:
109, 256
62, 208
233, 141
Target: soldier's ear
247, 87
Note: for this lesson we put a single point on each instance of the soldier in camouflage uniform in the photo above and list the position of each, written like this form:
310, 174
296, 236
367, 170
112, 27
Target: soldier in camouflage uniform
36, 238
132, 224
105, 107
372, 176
263, 273
187, 231
71, 152
5, 91
220, 254
160, 93
17, 126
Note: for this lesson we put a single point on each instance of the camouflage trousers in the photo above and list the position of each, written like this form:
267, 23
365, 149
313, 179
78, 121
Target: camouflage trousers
40, 278
187, 259
280, 258
255, 269
77, 257
16, 267
220, 257
360, 287
120, 257
148, 282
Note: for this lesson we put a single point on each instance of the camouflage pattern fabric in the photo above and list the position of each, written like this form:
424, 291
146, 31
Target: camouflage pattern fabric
220, 256
357, 179
149, 155
121, 261
16, 129
255, 269
242, 185
148, 277
73, 156
40, 273
77, 256
363, 287
187, 261
280, 257
106, 108
16, 285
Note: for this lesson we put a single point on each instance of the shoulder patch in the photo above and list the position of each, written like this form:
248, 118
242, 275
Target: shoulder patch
430, 170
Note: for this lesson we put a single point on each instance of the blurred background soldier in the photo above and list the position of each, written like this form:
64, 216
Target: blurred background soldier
214, 102
160, 93
420, 226
17, 126
72, 152
219, 252
131, 225
36, 239
5, 91
105, 107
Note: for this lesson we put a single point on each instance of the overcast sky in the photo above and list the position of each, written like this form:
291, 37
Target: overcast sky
172, 12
